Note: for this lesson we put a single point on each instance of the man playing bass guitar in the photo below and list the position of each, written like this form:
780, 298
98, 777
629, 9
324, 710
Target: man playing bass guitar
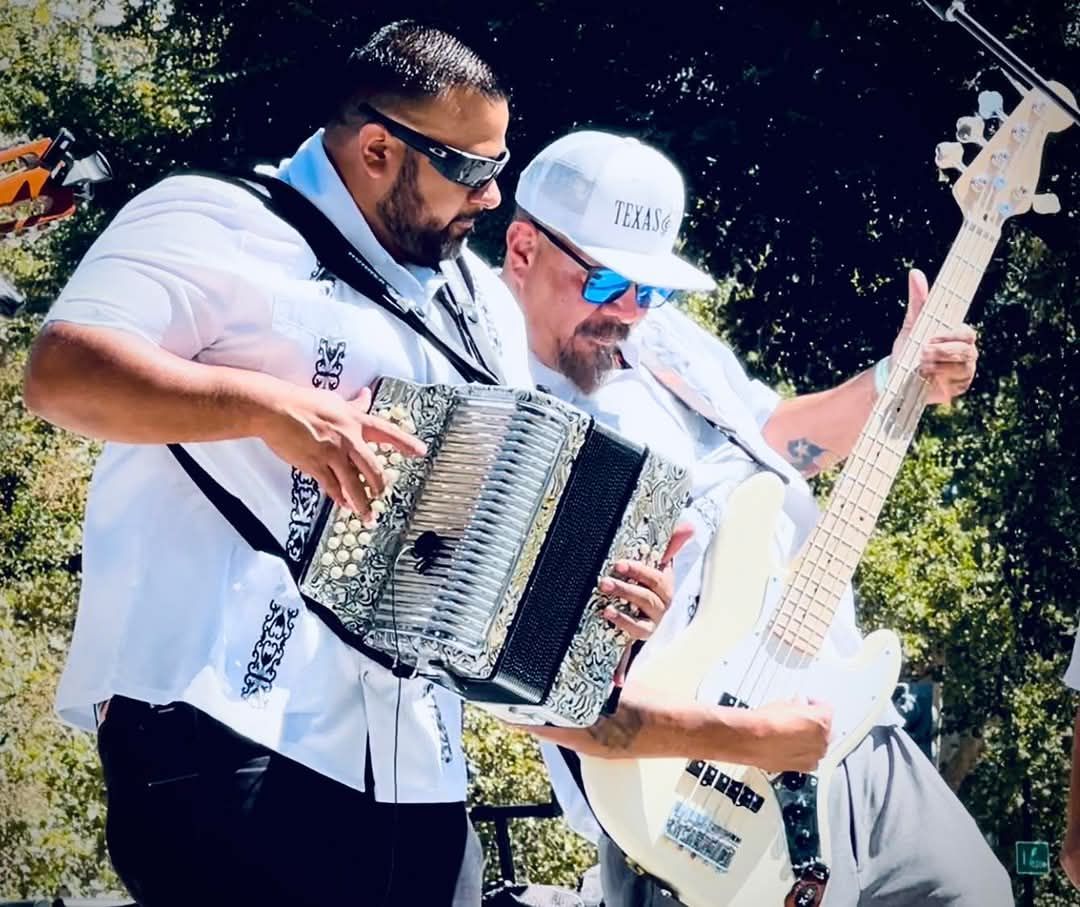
588, 255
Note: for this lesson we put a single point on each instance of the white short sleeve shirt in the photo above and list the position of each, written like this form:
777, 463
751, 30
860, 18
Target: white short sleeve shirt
174, 605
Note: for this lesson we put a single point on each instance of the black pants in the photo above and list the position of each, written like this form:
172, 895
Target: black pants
198, 815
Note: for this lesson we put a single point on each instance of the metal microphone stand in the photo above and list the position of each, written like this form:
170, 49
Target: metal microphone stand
1012, 64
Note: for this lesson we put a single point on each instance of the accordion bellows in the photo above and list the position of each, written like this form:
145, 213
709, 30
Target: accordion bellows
481, 570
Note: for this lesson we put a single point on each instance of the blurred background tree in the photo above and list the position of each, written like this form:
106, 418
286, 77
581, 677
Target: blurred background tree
806, 134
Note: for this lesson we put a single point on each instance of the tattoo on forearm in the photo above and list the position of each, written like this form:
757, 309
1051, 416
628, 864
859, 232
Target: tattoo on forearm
617, 732
803, 454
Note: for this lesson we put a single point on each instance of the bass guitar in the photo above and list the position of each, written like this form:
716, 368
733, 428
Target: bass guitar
719, 834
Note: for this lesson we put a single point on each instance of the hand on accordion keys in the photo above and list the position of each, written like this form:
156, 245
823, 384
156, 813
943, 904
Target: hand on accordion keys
337, 442
647, 590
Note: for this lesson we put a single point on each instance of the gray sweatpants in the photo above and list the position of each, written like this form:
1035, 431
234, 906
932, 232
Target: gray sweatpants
900, 838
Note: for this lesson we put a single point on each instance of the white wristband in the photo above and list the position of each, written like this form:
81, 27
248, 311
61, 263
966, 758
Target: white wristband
881, 375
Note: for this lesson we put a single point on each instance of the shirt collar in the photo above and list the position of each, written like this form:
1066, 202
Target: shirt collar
310, 171
630, 350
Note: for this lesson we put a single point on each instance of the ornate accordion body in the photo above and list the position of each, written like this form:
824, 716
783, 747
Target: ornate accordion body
480, 569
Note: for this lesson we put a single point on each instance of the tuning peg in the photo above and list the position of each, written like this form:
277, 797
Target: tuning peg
991, 105
970, 129
1046, 203
949, 156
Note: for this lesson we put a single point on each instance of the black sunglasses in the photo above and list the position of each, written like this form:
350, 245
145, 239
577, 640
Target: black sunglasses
470, 170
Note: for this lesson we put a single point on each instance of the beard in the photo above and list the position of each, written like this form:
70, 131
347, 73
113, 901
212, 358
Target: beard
421, 241
585, 362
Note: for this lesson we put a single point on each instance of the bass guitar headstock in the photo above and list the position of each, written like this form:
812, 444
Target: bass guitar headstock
1002, 180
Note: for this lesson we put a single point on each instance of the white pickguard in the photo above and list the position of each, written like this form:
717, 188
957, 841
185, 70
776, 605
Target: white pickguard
635, 799
760, 669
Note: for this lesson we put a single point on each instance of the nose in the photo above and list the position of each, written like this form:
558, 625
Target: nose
626, 308
487, 196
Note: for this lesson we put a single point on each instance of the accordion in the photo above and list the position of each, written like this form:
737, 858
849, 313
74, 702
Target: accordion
480, 569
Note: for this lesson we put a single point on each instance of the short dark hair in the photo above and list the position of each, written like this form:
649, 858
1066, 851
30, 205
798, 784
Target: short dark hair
407, 61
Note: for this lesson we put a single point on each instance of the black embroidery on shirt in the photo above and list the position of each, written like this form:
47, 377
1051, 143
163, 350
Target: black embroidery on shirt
303, 506
445, 750
329, 364
324, 280
269, 650
304, 502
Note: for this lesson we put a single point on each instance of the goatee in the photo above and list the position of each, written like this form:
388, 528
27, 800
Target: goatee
587, 363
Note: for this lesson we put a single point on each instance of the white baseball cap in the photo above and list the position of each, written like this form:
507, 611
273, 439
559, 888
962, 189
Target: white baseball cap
618, 200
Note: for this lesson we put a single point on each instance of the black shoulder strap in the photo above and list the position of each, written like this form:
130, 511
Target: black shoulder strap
342, 259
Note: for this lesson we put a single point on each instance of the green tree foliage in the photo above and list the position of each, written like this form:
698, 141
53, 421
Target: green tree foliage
505, 768
51, 814
806, 134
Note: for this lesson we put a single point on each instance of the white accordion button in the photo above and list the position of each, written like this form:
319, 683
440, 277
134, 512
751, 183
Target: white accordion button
336, 573
350, 569
333, 542
378, 506
339, 527
358, 554
348, 540
364, 538
327, 559
355, 525
342, 556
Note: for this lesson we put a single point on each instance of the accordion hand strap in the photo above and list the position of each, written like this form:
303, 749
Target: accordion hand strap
251, 529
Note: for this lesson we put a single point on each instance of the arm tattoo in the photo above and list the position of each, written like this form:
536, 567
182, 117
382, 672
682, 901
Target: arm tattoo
617, 732
803, 454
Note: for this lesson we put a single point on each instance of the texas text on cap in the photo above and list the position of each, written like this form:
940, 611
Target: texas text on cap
619, 201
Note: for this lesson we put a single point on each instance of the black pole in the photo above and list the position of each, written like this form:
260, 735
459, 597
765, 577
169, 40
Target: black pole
955, 12
506, 853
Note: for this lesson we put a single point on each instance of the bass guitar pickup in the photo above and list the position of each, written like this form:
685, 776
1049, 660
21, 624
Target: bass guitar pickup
736, 791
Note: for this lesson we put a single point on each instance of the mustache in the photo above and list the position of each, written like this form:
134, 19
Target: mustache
604, 330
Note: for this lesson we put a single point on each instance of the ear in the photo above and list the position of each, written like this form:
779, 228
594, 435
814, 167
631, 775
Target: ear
376, 152
521, 248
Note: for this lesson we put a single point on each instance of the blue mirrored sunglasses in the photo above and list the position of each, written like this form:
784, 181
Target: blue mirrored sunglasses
603, 285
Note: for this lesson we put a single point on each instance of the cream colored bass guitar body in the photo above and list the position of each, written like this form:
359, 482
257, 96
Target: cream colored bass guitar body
715, 833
